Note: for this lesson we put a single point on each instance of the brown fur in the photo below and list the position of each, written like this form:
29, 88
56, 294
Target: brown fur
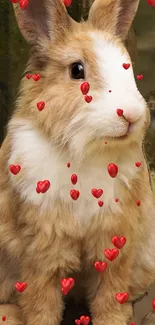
41, 255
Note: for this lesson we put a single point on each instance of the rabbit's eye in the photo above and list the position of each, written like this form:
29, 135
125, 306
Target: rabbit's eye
77, 71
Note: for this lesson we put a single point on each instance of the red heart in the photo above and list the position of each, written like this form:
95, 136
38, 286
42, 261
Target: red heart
3, 318
138, 203
119, 112
28, 76
14, 1
67, 3
23, 3
153, 304
132, 323
100, 266
97, 193
151, 2
119, 241
88, 98
77, 322
138, 164
74, 194
85, 86
74, 179
20, 286
85, 320
112, 170
100, 203
40, 105
14, 169
68, 164
140, 76
36, 77
116, 200
111, 254
122, 297
126, 66
43, 186
67, 285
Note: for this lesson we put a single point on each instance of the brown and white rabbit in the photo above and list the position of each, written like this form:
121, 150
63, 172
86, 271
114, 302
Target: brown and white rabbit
45, 237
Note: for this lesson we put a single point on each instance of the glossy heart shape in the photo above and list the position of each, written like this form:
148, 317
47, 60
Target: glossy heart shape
74, 194
42, 186
67, 284
111, 254
85, 320
20, 286
112, 170
85, 86
100, 266
14, 169
119, 241
122, 297
97, 192
126, 66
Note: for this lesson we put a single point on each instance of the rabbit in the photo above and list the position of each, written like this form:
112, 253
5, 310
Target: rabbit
73, 174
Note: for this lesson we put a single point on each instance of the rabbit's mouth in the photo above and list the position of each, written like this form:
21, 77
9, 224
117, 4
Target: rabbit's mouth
128, 132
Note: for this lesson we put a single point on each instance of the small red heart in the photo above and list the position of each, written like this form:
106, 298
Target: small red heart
67, 284
138, 164
112, 170
100, 203
3, 318
119, 112
23, 3
100, 266
96, 193
85, 320
151, 2
43, 186
119, 241
74, 194
110, 91
77, 322
153, 304
116, 200
138, 203
122, 297
132, 323
36, 77
106, 142
67, 3
74, 179
111, 254
14, 169
126, 66
88, 98
85, 86
40, 105
20, 286
14, 1
28, 76
68, 164
140, 76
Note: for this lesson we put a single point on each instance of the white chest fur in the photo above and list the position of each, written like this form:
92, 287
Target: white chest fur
40, 161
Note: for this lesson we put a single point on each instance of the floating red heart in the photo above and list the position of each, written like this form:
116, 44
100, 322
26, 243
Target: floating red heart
20, 286
153, 304
122, 297
85, 320
74, 179
110, 91
100, 203
28, 76
116, 200
112, 170
85, 86
36, 77
97, 193
138, 164
77, 322
68, 164
119, 112
67, 284
151, 2
140, 76
14, 169
106, 142
43, 186
74, 194
100, 266
119, 241
111, 254
138, 203
67, 3
88, 98
126, 66
23, 3
40, 105
132, 323
3, 318
14, 1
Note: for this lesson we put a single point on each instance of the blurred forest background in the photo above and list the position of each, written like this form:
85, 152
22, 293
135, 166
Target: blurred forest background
140, 43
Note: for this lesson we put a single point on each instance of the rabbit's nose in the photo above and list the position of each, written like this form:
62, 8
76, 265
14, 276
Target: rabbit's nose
129, 117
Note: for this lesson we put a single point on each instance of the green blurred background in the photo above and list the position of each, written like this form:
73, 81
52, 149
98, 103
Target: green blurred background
140, 43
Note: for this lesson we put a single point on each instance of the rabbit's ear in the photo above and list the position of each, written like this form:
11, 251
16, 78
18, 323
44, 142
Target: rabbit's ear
114, 16
42, 19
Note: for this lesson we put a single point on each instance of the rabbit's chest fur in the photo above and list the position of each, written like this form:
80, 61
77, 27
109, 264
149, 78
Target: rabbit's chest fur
40, 161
